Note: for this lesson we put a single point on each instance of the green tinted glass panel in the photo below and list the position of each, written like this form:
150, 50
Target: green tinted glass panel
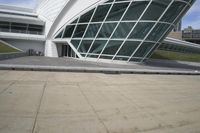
155, 10
97, 46
135, 10
128, 48
178, 19
60, 34
117, 11
112, 47
84, 46
68, 31
123, 29
144, 49
157, 32
106, 30
173, 11
86, 17
92, 30
80, 29
152, 50
75, 43
141, 30
100, 13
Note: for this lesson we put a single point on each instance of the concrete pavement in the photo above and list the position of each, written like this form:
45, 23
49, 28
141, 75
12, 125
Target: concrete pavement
57, 102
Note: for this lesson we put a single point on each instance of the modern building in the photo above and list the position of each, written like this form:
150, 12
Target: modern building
97, 30
191, 35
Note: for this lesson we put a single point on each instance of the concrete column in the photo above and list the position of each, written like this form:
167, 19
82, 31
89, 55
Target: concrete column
51, 49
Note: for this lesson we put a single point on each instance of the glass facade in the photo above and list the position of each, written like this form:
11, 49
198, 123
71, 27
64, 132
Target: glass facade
23, 28
125, 30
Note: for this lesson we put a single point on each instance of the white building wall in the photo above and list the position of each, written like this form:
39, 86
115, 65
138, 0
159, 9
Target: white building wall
51, 49
48, 10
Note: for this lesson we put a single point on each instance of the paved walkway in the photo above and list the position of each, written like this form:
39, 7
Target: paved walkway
69, 64
57, 102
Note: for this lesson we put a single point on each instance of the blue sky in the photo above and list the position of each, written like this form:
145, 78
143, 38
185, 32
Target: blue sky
191, 18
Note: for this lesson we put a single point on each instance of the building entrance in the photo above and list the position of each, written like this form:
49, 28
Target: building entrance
67, 51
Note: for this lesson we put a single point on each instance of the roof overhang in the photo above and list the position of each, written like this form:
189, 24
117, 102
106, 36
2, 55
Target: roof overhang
177, 42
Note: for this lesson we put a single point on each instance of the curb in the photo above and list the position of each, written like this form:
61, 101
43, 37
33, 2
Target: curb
96, 70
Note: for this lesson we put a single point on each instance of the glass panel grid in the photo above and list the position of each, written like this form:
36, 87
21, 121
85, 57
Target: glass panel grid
96, 39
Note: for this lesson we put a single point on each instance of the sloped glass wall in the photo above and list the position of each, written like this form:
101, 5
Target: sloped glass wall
126, 30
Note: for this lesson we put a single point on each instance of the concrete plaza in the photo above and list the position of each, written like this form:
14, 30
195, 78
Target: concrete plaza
58, 102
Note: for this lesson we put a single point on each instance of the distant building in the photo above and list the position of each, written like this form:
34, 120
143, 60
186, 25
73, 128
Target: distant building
191, 35
176, 35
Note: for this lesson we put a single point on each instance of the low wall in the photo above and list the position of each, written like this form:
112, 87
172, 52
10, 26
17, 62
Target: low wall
4, 56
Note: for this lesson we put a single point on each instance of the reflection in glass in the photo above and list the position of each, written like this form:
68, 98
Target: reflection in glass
68, 31
60, 34
141, 30
80, 29
75, 43
86, 17
117, 11
158, 31
100, 13
173, 11
135, 10
155, 10
84, 46
106, 30
92, 30
128, 48
112, 47
97, 46
123, 29
144, 49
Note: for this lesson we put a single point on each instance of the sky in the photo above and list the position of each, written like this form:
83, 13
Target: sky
192, 18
